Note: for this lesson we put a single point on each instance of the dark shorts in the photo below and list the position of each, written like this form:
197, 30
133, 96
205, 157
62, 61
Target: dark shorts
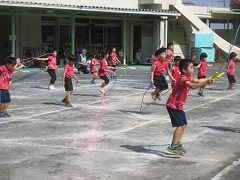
177, 117
68, 84
231, 79
201, 77
5, 96
93, 72
105, 78
160, 82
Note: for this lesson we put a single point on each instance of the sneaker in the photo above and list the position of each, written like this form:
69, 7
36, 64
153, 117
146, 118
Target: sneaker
92, 82
174, 150
200, 94
180, 148
68, 104
154, 96
51, 87
64, 101
1, 115
5, 114
230, 89
101, 90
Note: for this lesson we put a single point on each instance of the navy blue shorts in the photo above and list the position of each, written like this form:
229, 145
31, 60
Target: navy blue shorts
177, 117
5, 96
68, 84
160, 82
231, 79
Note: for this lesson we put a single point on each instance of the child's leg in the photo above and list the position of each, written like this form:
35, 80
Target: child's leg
178, 134
103, 85
231, 86
6, 107
94, 77
68, 95
201, 89
52, 73
2, 107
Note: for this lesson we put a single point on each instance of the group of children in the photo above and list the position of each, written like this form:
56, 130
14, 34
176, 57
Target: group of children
181, 72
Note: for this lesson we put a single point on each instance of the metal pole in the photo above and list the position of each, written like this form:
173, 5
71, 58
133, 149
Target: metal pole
72, 33
13, 32
124, 39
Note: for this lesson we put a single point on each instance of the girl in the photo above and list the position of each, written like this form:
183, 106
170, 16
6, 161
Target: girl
113, 62
52, 67
103, 70
93, 68
230, 71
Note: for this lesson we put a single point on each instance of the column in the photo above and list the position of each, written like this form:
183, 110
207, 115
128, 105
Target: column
124, 39
13, 32
72, 33
165, 32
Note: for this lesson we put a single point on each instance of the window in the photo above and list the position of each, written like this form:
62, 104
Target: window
82, 35
48, 34
97, 35
114, 35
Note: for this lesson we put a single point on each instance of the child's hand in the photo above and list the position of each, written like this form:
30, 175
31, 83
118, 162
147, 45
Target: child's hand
76, 80
21, 65
63, 83
174, 80
152, 82
209, 81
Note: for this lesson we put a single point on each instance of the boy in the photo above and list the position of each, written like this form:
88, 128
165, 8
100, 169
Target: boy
175, 70
5, 77
67, 75
230, 71
157, 73
176, 100
202, 71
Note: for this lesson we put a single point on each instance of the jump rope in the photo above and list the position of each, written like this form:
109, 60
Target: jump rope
216, 75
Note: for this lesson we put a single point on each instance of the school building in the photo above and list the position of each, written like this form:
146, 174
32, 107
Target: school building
28, 26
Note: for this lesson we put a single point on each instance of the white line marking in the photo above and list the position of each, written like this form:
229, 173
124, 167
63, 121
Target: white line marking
226, 170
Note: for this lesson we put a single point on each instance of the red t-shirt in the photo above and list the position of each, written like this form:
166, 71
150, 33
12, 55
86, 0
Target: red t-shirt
180, 93
231, 66
93, 64
5, 76
113, 60
52, 62
69, 70
103, 68
202, 71
175, 74
158, 67
169, 55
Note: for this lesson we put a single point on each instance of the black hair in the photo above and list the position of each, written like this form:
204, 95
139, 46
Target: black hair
177, 58
95, 55
169, 44
103, 53
8, 54
184, 63
113, 48
71, 57
203, 55
232, 54
160, 51
52, 50
11, 60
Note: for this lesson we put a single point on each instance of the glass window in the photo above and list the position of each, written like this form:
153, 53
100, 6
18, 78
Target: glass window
48, 18
82, 20
99, 21
82, 35
47, 34
114, 35
64, 34
97, 35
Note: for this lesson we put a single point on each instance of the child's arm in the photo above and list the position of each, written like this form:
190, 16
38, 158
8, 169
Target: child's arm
198, 66
63, 78
151, 77
41, 59
75, 77
19, 67
170, 75
198, 83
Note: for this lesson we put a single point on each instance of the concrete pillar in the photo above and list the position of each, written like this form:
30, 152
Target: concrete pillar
72, 33
165, 33
124, 39
13, 32
208, 23
161, 33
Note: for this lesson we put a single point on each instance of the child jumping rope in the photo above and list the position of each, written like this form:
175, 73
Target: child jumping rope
52, 67
230, 71
113, 62
157, 73
103, 70
93, 68
175, 70
176, 100
67, 75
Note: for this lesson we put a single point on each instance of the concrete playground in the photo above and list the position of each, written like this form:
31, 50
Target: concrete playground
107, 138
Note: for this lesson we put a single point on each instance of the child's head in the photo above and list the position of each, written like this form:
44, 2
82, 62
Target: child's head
186, 67
170, 46
10, 62
71, 59
95, 55
53, 52
9, 54
176, 60
233, 55
160, 54
104, 54
113, 49
203, 57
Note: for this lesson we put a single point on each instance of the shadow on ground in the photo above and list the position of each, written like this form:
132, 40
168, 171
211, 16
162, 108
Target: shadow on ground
219, 128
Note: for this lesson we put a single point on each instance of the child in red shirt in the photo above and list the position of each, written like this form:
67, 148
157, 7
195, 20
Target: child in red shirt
67, 75
202, 71
93, 68
157, 73
231, 70
52, 67
5, 77
113, 62
176, 100
175, 70
103, 70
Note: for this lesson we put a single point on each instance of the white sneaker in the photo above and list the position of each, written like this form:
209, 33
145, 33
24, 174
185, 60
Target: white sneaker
101, 90
51, 87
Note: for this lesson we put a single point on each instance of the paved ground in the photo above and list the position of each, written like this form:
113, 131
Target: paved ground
107, 138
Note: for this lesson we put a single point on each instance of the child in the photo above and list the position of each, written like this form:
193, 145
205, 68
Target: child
67, 75
230, 71
5, 76
176, 100
175, 70
113, 62
169, 53
93, 68
103, 70
157, 73
202, 71
52, 67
